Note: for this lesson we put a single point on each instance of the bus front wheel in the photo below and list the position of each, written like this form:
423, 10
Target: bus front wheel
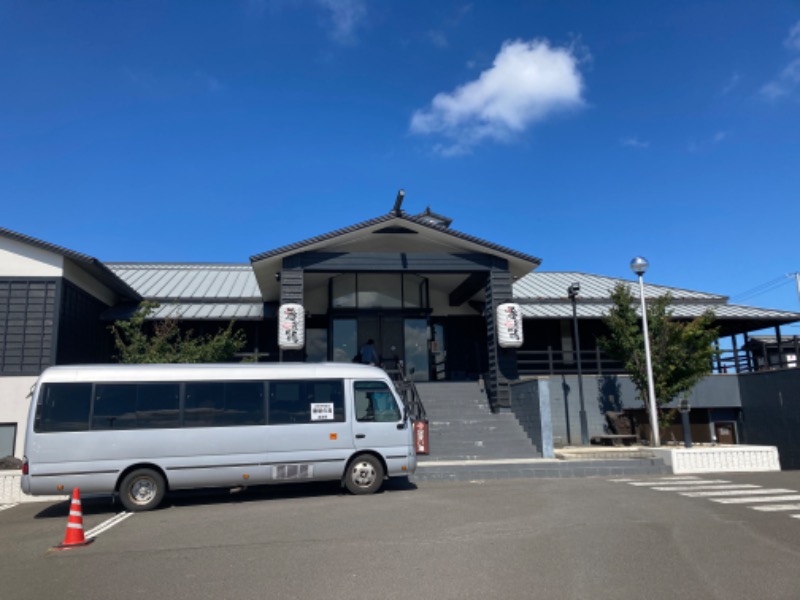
142, 489
364, 475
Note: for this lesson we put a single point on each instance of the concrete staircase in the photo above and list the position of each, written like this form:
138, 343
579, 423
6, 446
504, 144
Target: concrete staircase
462, 426
468, 442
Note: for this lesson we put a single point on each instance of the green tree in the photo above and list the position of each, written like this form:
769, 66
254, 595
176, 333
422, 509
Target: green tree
681, 351
164, 342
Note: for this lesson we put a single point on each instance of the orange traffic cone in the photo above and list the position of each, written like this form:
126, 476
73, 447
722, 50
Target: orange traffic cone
74, 535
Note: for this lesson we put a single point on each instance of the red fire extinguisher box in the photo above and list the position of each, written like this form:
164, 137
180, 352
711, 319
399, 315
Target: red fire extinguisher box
421, 437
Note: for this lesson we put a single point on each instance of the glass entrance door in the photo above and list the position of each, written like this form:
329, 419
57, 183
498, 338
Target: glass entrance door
417, 360
399, 341
387, 332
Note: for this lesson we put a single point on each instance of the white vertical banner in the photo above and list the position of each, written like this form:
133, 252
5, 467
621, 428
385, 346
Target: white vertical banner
509, 325
291, 326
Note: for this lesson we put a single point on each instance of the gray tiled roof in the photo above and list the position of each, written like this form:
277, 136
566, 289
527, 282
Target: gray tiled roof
207, 311
544, 295
553, 285
93, 266
563, 310
192, 291
191, 282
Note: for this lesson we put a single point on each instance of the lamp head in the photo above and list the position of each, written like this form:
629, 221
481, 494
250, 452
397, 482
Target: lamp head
573, 289
639, 265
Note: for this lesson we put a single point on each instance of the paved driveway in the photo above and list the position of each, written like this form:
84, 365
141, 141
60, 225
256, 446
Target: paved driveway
576, 538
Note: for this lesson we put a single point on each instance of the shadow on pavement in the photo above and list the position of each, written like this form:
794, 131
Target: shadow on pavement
109, 505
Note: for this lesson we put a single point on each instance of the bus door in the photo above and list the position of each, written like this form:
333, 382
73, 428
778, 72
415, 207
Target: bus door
378, 421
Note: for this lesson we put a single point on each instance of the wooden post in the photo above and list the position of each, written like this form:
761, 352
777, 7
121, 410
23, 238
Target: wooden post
598, 358
748, 353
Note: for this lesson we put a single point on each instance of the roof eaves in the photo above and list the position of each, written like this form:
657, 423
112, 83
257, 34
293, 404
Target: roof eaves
417, 220
470, 238
103, 272
32, 241
322, 238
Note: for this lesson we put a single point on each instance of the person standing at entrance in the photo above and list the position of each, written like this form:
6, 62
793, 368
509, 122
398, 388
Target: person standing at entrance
369, 355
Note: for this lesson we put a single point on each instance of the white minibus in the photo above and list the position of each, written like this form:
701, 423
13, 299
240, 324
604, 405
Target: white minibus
142, 430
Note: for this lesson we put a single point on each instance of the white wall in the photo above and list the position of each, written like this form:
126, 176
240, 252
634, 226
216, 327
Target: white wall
14, 405
87, 283
18, 259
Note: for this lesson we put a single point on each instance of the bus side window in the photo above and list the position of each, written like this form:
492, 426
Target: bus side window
63, 407
222, 404
385, 407
328, 393
114, 406
375, 402
287, 403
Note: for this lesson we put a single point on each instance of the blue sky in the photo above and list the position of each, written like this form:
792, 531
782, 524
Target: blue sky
584, 133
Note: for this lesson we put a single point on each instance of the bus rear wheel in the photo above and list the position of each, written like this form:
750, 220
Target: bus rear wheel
364, 475
142, 489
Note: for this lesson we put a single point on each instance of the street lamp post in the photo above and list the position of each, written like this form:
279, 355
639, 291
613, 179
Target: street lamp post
572, 291
639, 266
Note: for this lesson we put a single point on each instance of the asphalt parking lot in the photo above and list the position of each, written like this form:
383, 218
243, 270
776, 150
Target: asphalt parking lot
544, 538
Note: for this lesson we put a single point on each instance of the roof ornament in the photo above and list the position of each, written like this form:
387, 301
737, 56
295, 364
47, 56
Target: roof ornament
436, 219
398, 202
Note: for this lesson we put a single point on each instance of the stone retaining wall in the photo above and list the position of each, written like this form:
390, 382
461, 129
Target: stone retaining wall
719, 459
11, 493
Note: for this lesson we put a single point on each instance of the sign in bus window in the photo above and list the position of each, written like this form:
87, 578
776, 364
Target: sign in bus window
305, 401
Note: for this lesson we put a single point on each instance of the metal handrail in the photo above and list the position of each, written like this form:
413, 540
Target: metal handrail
555, 361
409, 395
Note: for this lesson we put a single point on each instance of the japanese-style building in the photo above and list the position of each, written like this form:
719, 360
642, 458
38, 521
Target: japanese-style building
424, 291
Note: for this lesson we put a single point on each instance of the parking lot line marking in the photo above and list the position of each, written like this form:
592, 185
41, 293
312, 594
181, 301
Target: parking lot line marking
7, 506
776, 507
108, 524
795, 516
698, 482
758, 492
621, 480
686, 488
755, 499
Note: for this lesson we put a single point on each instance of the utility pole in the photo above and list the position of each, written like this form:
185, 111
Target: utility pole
797, 281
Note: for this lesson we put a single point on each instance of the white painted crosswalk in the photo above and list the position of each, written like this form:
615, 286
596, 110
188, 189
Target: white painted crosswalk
754, 497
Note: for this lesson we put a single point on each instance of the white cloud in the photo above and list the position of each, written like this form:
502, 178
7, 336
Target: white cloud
528, 81
437, 38
793, 41
785, 83
732, 83
340, 18
345, 17
211, 83
789, 78
708, 142
634, 142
